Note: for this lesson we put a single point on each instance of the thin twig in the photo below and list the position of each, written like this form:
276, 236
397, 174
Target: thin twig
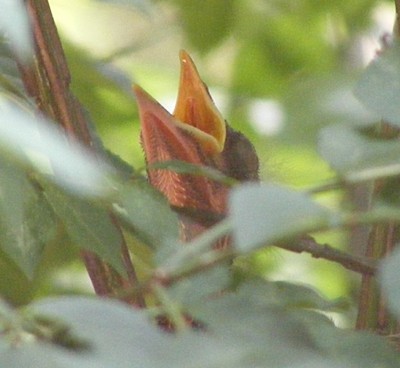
309, 245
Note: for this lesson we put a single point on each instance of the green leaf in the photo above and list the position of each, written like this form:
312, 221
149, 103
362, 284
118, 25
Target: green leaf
262, 214
36, 356
15, 192
119, 337
389, 279
356, 157
242, 331
191, 290
378, 88
89, 226
26, 220
264, 329
213, 17
289, 295
122, 337
353, 348
261, 333
10, 81
182, 167
15, 23
36, 143
101, 88
148, 212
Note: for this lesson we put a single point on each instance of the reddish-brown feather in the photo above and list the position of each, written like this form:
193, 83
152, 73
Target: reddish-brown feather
199, 135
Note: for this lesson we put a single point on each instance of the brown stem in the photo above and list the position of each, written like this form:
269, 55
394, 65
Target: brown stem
48, 82
348, 261
396, 29
372, 312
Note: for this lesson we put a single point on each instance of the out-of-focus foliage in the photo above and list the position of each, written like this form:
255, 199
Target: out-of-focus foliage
282, 72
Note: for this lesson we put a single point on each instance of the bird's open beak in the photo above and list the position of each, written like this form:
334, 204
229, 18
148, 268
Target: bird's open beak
195, 107
195, 121
163, 137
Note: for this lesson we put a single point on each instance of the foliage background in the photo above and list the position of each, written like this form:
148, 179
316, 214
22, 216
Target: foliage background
279, 71
282, 72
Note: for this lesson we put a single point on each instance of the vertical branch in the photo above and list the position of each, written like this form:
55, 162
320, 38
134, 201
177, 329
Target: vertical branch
396, 29
48, 82
372, 312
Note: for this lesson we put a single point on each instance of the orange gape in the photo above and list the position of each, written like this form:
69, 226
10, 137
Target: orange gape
196, 133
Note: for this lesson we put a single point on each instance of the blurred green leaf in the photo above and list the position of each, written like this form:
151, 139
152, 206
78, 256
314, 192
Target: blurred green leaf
192, 290
15, 192
265, 321
148, 212
15, 23
389, 272
37, 356
312, 103
143, 5
213, 17
273, 49
289, 296
177, 256
34, 142
120, 337
262, 214
10, 82
353, 348
261, 333
378, 88
357, 157
102, 88
89, 226
183, 167
26, 220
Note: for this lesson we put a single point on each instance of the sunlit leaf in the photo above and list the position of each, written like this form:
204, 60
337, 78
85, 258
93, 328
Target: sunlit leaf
355, 156
34, 142
262, 214
378, 88
89, 226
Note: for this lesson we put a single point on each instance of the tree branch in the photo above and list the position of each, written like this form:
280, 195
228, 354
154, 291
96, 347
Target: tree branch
48, 82
309, 245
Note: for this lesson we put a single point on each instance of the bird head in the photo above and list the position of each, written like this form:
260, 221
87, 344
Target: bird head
195, 133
